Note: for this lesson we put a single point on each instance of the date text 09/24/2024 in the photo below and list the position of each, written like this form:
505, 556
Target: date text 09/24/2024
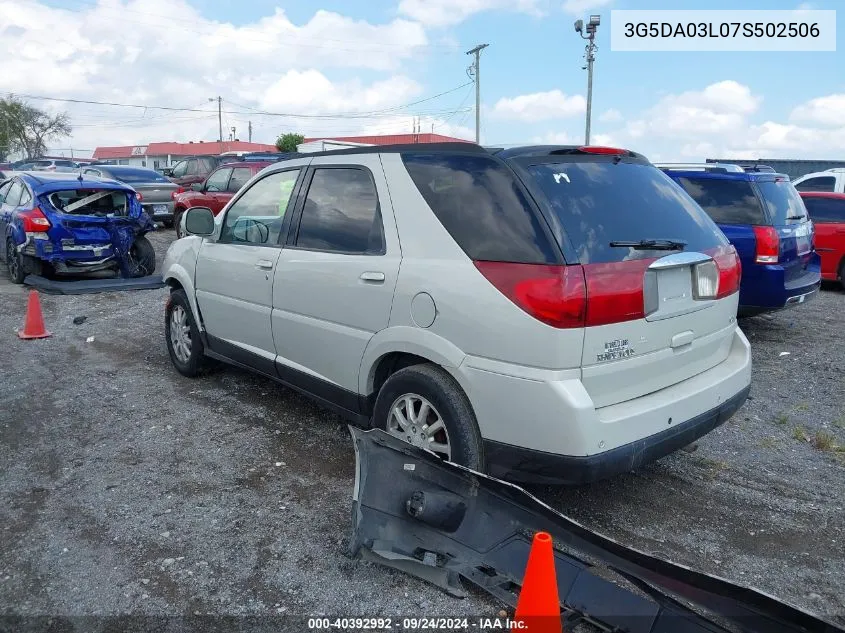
415, 624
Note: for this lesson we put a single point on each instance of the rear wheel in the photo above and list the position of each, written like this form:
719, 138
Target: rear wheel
20, 265
168, 223
142, 258
842, 273
424, 406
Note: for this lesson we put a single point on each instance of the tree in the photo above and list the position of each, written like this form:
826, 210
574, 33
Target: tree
27, 129
288, 142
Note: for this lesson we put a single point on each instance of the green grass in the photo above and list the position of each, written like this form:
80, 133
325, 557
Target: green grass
769, 442
839, 422
801, 406
781, 419
799, 434
825, 441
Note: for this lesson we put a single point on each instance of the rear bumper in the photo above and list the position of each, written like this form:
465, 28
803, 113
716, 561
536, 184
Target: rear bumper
767, 290
530, 466
548, 430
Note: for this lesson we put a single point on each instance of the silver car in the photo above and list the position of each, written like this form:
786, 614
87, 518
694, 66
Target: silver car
154, 190
549, 314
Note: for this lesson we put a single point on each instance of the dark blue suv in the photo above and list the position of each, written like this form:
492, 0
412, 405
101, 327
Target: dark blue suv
763, 216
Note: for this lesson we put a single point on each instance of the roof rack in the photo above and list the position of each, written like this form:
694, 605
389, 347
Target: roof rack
719, 168
757, 167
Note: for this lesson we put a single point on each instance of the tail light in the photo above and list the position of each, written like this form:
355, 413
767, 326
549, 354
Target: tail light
768, 245
615, 291
34, 221
139, 196
555, 295
598, 149
727, 269
175, 193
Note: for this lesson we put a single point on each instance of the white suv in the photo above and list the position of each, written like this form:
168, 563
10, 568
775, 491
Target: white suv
832, 180
547, 314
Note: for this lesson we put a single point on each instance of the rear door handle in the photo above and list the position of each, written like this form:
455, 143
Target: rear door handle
264, 264
372, 277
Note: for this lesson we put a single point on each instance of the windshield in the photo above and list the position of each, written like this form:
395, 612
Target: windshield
138, 175
602, 202
784, 202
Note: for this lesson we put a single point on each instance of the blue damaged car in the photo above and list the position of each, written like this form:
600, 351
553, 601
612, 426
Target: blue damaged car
64, 223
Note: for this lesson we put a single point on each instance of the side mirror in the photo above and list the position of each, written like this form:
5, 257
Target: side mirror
199, 221
197, 186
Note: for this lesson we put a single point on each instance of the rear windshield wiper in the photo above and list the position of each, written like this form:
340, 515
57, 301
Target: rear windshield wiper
651, 245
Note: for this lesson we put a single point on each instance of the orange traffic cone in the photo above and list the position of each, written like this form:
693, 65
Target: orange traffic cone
33, 326
538, 606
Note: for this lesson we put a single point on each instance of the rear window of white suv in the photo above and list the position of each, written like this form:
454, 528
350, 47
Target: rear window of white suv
602, 201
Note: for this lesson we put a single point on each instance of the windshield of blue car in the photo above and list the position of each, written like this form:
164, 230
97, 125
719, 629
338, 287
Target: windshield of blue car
784, 202
94, 202
134, 176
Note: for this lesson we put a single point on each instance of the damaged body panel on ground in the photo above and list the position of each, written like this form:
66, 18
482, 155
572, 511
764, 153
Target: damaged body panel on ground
442, 522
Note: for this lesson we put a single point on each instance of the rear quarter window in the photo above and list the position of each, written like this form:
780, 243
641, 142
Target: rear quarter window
480, 202
599, 202
784, 202
726, 201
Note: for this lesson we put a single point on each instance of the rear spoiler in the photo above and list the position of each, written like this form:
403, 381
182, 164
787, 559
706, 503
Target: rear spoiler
442, 522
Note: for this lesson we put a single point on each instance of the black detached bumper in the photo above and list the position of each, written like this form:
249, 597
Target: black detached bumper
530, 466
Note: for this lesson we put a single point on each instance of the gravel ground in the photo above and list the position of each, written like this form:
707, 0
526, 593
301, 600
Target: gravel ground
128, 489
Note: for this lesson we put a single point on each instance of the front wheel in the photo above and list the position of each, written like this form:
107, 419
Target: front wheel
142, 258
424, 406
184, 343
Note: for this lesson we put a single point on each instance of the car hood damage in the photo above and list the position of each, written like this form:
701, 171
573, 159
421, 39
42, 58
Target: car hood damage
442, 522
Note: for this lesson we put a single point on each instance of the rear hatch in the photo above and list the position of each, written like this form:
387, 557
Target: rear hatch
789, 218
661, 279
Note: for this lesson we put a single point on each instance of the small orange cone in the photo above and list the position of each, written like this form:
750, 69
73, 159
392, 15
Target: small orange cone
33, 326
538, 606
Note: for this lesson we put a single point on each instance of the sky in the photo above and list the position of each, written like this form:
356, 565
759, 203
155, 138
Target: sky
329, 68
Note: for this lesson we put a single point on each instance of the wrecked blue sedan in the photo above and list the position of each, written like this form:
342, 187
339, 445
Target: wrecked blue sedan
64, 223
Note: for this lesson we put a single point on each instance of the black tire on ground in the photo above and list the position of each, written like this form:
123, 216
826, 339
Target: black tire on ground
446, 395
168, 224
142, 257
20, 265
177, 222
197, 363
842, 273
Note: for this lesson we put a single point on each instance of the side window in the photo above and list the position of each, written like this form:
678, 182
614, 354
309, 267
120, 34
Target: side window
4, 191
14, 195
26, 198
207, 165
218, 180
819, 183
180, 169
191, 169
726, 201
341, 213
258, 215
825, 209
240, 176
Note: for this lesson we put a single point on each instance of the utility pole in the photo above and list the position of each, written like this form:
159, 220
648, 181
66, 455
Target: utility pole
250, 131
475, 69
234, 129
590, 56
219, 101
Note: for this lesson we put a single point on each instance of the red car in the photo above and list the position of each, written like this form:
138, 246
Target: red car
216, 190
827, 211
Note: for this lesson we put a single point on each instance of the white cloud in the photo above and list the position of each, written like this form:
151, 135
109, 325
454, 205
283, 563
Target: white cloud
583, 7
441, 13
271, 63
826, 111
540, 106
610, 116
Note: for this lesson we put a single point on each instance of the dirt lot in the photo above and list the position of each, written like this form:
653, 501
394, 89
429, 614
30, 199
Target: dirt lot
125, 488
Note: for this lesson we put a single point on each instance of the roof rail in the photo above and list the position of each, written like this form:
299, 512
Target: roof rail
714, 167
838, 170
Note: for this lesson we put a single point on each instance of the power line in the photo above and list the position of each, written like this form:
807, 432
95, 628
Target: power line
346, 115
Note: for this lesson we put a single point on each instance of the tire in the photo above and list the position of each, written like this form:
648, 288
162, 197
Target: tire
20, 265
142, 258
177, 222
449, 403
194, 363
168, 224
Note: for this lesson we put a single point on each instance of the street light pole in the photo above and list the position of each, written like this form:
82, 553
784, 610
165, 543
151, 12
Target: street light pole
476, 70
590, 56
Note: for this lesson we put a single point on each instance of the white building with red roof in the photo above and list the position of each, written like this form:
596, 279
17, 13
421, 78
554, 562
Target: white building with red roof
161, 155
